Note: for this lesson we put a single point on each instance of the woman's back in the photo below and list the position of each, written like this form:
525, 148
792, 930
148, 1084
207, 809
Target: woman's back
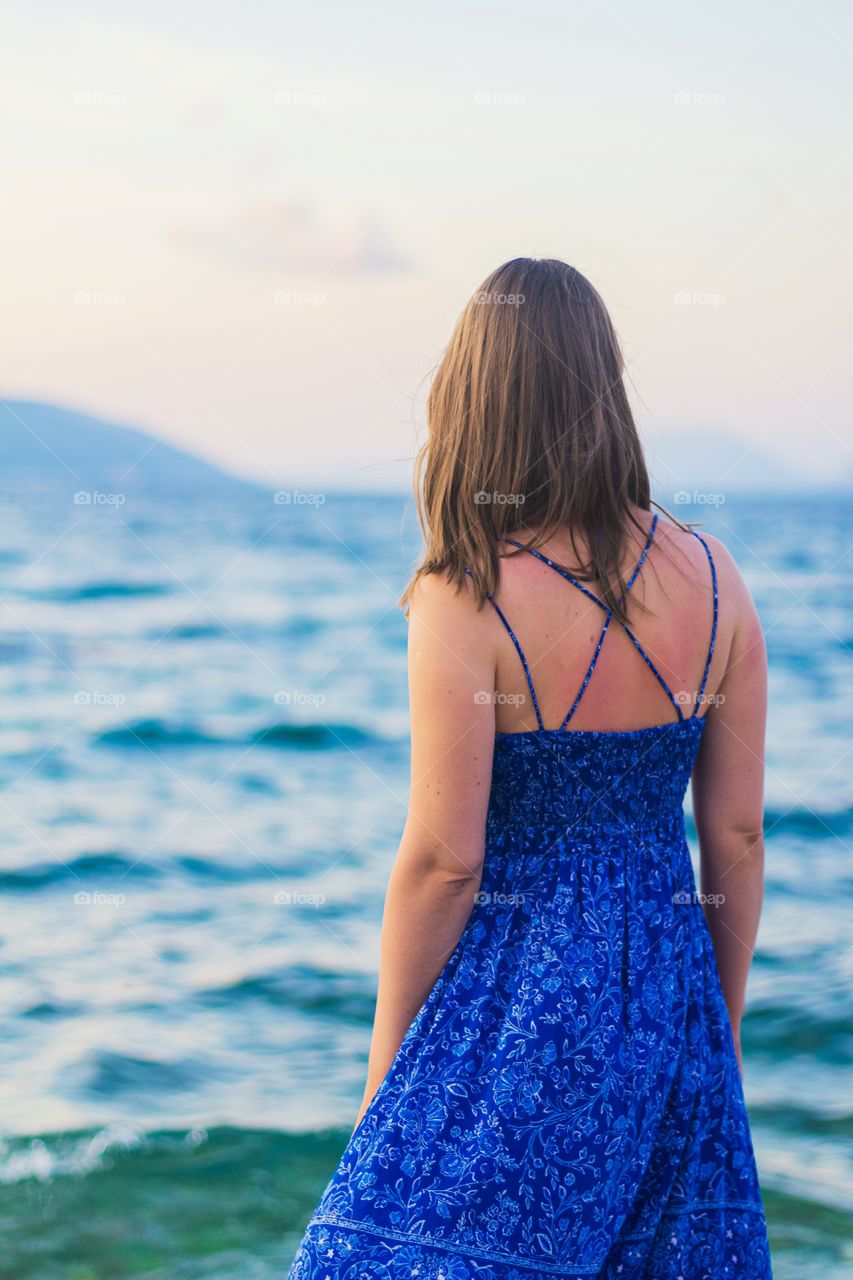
672, 615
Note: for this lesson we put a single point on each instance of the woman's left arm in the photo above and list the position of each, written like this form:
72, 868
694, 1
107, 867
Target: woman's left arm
437, 871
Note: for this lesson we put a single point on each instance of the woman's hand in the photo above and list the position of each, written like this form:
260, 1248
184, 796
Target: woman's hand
366, 1100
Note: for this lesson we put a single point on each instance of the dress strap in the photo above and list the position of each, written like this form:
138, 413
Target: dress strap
608, 615
564, 573
649, 540
573, 708
714, 586
520, 652
657, 675
514, 638
630, 634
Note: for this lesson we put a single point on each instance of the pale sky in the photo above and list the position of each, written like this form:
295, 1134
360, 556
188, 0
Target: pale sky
250, 226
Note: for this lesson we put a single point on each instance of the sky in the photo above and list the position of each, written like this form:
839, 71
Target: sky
249, 227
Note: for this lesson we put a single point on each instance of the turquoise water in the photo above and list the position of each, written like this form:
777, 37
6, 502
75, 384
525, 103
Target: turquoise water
204, 762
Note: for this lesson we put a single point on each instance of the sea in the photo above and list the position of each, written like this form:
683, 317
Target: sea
203, 777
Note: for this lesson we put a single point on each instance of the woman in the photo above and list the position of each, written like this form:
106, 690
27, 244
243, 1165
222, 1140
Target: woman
553, 1086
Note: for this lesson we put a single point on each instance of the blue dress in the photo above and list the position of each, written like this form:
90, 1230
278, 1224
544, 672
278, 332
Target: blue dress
567, 1101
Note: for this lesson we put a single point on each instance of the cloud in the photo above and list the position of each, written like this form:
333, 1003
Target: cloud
273, 236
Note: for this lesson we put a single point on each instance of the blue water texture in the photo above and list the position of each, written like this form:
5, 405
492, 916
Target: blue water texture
204, 769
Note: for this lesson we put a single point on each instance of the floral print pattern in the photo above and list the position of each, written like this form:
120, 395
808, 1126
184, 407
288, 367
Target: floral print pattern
567, 1101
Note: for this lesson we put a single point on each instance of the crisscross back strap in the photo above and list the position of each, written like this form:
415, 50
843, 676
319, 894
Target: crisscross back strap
520, 651
607, 617
564, 573
608, 614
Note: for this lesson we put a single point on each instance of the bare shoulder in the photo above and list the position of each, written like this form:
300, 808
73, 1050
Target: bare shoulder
687, 544
737, 611
445, 608
731, 583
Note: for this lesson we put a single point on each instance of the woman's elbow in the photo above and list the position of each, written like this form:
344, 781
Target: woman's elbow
453, 867
726, 844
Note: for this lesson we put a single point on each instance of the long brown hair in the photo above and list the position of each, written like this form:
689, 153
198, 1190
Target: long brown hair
529, 428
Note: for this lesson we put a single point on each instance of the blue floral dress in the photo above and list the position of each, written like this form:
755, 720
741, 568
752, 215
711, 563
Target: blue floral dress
567, 1101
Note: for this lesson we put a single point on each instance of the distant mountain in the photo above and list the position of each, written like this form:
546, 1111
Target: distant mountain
43, 441
706, 461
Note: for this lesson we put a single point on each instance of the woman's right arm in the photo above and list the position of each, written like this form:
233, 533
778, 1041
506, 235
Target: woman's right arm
728, 796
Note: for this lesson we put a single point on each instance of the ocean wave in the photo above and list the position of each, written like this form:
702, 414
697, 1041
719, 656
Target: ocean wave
300, 737
156, 733
200, 868
313, 736
191, 631
300, 989
783, 1031
803, 1119
113, 871
98, 591
45, 1157
41, 1159
808, 823
80, 869
107, 1074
